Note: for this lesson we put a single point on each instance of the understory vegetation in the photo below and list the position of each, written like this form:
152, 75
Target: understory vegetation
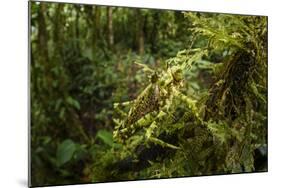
127, 94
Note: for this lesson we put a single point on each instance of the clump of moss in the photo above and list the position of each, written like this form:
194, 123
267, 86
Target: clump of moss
168, 132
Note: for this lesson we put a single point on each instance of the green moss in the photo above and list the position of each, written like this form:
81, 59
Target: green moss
217, 132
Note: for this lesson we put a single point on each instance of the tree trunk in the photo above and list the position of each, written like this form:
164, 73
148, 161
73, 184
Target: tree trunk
96, 26
57, 32
110, 27
42, 35
140, 32
76, 28
154, 32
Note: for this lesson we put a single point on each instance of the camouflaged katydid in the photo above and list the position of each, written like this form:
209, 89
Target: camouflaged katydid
150, 100
145, 109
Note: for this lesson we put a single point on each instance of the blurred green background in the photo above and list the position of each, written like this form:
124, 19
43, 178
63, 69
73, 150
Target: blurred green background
82, 62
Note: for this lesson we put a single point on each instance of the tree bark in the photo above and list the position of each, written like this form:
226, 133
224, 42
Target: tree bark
154, 32
76, 27
57, 32
42, 35
96, 26
140, 31
110, 27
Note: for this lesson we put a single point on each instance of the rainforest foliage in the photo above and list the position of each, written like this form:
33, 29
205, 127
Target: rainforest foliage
126, 94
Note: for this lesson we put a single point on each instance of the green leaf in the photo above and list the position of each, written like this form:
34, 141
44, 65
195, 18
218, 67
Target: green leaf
145, 67
65, 151
73, 102
62, 112
105, 136
76, 104
219, 130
